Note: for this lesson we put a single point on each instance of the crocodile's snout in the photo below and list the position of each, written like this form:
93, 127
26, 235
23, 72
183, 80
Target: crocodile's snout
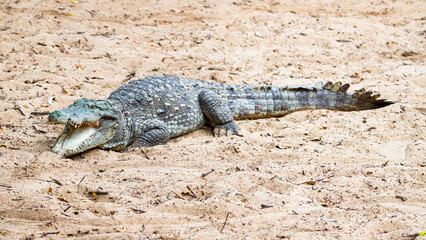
54, 116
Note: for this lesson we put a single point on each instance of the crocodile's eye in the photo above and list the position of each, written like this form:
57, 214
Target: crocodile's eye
101, 105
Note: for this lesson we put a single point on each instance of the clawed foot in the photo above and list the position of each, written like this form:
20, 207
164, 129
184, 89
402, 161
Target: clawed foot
226, 129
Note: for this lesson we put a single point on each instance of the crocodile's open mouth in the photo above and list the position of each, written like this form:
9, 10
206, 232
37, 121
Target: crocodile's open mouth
78, 134
77, 138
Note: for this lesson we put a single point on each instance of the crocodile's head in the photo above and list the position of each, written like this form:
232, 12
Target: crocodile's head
89, 124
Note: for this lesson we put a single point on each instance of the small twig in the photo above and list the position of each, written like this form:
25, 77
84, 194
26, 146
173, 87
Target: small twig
66, 209
91, 13
207, 173
370, 128
98, 193
51, 233
310, 182
324, 178
411, 236
82, 179
263, 206
226, 219
177, 195
5, 186
20, 110
190, 191
138, 210
40, 113
56, 181
38, 130
401, 198
144, 152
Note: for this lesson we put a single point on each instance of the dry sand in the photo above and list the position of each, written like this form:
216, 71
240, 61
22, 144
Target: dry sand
317, 174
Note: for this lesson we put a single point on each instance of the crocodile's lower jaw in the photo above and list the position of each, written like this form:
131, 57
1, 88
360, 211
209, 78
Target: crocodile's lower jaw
78, 135
79, 138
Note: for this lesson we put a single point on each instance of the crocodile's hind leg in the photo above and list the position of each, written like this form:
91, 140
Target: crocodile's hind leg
217, 113
151, 132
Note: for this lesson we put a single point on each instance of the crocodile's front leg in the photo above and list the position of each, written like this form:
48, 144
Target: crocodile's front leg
151, 132
218, 113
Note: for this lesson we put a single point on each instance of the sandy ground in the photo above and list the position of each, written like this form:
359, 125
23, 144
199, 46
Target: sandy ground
309, 175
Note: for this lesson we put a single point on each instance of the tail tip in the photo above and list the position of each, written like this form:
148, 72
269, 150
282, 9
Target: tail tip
379, 103
370, 97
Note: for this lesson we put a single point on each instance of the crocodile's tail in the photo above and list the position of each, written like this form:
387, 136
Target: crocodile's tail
250, 101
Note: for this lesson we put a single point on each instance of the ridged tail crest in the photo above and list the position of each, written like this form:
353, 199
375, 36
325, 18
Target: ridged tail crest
366, 99
262, 101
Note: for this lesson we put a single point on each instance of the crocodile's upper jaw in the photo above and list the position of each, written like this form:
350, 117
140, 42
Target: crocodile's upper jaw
79, 138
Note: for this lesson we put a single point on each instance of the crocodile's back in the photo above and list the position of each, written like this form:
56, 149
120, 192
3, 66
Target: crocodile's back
171, 99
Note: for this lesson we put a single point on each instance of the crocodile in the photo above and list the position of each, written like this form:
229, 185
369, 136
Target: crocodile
151, 110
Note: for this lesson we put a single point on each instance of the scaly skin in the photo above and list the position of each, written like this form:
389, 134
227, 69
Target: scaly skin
152, 110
